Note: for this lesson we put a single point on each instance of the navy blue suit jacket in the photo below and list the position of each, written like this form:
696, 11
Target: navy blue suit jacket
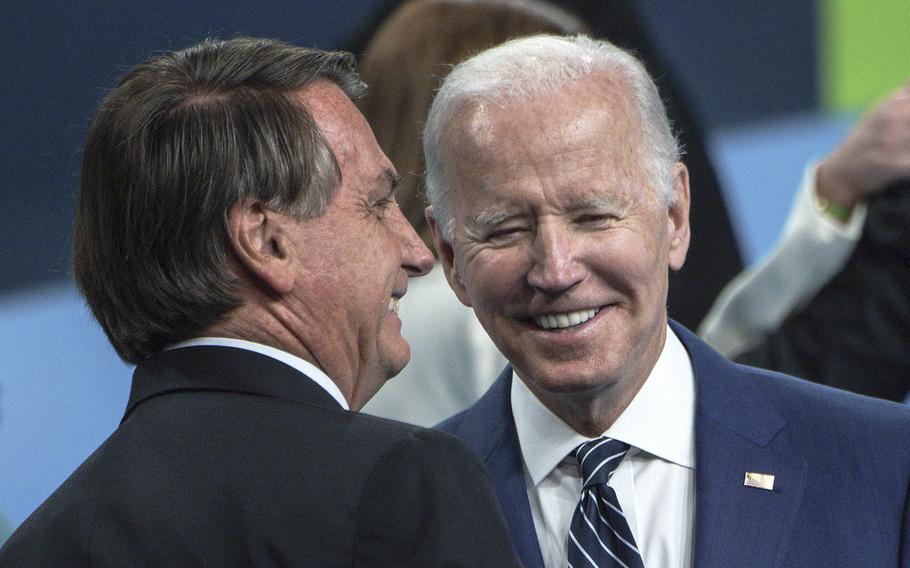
841, 463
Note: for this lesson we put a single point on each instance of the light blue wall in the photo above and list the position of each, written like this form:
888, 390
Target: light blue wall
760, 165
63, 392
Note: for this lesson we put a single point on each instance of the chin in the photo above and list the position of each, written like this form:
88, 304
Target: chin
397, 359
570, 378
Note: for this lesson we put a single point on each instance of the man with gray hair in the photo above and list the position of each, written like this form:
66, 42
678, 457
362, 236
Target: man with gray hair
615, 437
237, 238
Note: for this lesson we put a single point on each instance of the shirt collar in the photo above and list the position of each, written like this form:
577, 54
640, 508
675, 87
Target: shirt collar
668, 393
313, 372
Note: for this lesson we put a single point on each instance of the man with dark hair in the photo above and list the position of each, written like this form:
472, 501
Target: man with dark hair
237, 238
615, 437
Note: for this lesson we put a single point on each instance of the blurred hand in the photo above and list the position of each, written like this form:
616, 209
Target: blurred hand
875, 153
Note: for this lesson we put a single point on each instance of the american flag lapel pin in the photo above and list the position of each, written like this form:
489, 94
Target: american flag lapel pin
759, 480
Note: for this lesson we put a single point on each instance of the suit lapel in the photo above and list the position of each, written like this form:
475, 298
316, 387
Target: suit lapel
489, 430
738, 430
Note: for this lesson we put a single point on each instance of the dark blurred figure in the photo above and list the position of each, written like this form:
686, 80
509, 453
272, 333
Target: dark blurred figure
855, 335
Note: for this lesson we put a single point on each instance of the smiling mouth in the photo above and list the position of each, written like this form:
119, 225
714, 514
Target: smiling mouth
393, 304
565, 320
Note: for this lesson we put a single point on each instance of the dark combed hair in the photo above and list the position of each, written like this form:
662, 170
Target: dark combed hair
181, 139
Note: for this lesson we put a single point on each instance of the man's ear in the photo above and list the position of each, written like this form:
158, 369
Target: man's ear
447, 259
678, 217
261, 244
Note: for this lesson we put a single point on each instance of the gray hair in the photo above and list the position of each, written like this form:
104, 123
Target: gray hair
522, 69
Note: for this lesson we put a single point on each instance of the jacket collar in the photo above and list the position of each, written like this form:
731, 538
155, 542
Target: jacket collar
223, 369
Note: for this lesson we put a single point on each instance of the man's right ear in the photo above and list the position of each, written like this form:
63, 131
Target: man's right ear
447, 259
261, 244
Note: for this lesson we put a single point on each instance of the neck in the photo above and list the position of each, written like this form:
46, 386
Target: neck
268, 324
591, 414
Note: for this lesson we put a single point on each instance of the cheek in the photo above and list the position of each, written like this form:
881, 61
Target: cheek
492, 276
628, 258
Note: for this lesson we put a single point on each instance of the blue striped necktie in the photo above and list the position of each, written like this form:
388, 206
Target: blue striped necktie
599, 535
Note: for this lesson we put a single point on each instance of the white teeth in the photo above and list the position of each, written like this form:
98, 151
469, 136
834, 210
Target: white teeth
393, 305
568, 319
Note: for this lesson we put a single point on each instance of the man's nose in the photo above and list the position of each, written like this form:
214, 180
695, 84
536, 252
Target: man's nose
416, 258
555, 266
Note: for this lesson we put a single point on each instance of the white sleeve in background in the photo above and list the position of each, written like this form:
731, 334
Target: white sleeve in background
811, 250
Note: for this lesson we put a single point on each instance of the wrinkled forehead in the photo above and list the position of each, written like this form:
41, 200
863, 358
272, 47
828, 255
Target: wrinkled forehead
583, 126
341, 123
577, 112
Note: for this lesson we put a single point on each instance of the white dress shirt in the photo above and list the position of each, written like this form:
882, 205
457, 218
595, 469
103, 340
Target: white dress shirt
655, 482
310, 370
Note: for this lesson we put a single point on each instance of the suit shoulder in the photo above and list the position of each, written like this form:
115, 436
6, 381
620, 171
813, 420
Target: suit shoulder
795, 397
381, 442
413, 442
424, 493
486, 413
59, 531
391, 432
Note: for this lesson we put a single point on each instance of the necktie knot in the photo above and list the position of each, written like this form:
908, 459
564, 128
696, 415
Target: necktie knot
598, 459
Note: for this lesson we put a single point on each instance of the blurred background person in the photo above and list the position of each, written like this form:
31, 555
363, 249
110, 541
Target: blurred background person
412, 50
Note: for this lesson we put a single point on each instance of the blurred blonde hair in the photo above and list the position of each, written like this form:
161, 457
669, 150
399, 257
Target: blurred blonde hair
413, 51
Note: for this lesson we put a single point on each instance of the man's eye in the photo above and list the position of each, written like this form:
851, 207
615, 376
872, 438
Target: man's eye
595, 219
505, 234
381, 207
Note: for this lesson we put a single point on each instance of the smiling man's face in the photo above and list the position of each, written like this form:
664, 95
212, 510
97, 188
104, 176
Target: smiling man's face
559, 243
354, 261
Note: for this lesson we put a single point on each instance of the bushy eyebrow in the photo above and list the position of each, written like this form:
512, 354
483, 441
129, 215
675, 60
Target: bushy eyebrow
486, 219
608, 201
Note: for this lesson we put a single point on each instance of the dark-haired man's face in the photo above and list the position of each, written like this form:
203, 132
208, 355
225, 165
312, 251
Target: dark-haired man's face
355, 259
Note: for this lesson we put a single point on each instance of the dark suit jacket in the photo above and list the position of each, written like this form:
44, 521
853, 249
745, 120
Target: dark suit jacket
230, 458
841, 464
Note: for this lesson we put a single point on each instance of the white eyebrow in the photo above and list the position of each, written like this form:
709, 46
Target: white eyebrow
487, 219
490, 219
595, 202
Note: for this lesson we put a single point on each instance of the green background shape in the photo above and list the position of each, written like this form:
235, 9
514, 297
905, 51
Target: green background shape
865, 51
